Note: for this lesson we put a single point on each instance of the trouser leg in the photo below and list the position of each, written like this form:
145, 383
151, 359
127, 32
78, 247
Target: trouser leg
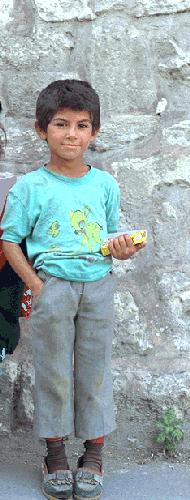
52, 322
94, 406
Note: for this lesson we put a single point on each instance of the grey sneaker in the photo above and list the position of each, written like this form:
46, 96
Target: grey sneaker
88, 484
57, 486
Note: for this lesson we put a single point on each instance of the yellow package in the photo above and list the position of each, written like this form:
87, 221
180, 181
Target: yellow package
137, 237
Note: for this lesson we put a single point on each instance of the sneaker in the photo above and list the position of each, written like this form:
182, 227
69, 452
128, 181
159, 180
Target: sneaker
88, 484
58, 485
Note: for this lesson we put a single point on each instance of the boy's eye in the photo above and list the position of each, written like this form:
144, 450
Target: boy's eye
62, 124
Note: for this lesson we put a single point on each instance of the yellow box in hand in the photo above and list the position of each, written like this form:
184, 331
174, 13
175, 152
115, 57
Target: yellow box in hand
137, 237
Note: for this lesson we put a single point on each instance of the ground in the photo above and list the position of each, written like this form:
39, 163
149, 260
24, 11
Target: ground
23, 447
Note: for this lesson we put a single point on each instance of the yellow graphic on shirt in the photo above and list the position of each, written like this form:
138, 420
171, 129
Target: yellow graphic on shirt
89, 230
54, 229
54, 249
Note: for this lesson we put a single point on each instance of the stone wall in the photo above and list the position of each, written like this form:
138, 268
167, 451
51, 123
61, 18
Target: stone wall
136, 54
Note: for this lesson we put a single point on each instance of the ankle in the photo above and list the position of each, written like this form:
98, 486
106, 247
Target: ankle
92, 457
56, 458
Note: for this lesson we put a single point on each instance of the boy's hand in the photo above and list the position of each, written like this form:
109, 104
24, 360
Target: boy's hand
18, 262
122, 247
36, 287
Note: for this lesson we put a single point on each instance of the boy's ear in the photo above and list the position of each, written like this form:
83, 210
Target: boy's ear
40, 132
93, 136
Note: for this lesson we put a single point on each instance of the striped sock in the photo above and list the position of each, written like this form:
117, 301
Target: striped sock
56, 458
92, 457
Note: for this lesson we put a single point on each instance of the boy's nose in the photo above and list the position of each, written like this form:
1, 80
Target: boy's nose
71, 132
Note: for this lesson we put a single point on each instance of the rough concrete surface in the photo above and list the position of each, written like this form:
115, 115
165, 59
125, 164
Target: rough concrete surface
137, 56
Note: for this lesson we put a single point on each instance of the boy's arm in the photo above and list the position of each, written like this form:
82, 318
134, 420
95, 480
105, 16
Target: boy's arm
122, 247
20, 265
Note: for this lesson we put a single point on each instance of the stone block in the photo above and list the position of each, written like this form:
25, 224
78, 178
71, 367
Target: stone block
178, 134
120, 130
137, 177
64, 11
23, 22
130, 333
115, 61
6, 8
134, 180
151, 8
175, 61
23, 142
170, 222
25, 408
60, 40
7, 389
19, 55
23, 397
174, 294
101, 6
21, 93
33, 52
185, 298
172, 55
17, 384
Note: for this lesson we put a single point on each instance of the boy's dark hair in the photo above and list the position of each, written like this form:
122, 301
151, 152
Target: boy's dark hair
73, 94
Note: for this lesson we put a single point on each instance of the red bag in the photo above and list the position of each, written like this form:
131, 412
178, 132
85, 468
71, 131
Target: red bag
26, 303
26, 300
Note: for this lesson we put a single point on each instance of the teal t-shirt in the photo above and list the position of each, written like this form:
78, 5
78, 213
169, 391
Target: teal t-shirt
64, 221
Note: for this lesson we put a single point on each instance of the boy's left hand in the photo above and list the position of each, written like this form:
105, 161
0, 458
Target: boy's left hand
122, 247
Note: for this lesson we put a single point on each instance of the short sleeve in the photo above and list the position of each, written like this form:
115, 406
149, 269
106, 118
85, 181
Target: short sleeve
15, 223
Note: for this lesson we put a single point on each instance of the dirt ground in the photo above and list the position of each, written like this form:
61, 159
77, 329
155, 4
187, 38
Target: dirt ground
23, 447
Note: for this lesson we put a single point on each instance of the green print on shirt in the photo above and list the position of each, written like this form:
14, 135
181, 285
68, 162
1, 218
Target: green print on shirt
54, 249
89, 230
54, 229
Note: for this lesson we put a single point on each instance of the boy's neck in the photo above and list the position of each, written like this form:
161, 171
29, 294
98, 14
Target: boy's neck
68, 169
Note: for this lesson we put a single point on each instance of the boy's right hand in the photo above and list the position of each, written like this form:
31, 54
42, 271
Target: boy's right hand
20, 265
36, 288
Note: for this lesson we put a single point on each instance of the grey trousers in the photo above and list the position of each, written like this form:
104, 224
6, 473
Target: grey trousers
66, 318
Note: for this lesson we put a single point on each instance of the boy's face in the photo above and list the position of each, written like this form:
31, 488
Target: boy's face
68, 134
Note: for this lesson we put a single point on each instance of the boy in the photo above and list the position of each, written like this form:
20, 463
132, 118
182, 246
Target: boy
65, 210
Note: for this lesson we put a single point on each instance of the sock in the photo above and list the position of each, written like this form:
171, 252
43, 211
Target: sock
98, 440
92, 457
56, 458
